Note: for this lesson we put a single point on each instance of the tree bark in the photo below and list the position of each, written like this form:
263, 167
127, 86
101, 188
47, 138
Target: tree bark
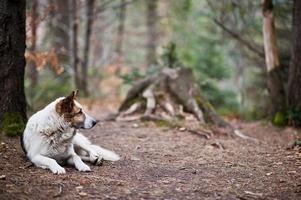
152, 30
73, 41
89, 21
274, 81
33, 72
120, 31
12, 60
294, 85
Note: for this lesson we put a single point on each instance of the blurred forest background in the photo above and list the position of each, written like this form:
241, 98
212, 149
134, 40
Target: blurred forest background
198, 70
103, 46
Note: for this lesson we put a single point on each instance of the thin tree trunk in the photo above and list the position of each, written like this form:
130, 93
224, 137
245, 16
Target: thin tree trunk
274, 81
120, 31
73, 41
59, 28
89, 21
152, 30
33, 25
294, 86
32, 67
12, 60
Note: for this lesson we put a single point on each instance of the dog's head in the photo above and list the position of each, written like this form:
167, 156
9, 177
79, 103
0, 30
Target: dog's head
73, 112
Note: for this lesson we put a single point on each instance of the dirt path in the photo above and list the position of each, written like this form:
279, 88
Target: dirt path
158, 163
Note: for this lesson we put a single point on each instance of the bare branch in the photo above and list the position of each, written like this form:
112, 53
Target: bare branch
243, 41
106, 4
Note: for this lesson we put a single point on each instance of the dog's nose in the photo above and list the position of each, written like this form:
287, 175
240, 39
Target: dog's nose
95, 122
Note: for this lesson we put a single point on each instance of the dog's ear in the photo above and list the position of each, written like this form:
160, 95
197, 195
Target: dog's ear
66, 105
73, 95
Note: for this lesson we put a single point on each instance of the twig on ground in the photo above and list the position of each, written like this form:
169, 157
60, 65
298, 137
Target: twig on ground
152, 117
218, 145
243, 136
60, 192
128, 118
28, 165
132, 109
198, 133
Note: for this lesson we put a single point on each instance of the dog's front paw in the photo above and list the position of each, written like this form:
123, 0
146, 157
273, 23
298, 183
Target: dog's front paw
95, 158
58, 170
83, 168
98, 162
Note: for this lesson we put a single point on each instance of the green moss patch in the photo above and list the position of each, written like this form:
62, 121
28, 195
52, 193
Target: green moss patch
280, 119
12, 124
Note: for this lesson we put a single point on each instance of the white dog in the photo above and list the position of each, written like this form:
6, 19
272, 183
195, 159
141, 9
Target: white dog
51, 137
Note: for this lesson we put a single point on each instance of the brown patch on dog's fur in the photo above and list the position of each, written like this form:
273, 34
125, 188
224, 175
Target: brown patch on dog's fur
71, 113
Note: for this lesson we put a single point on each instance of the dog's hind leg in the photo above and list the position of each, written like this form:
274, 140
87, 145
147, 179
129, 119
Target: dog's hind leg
104, 153
45, 162
95, 152
81, 143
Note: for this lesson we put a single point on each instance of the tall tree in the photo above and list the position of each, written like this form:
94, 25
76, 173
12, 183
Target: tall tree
274, 81
73, 40
12, 60
152, 30
120, 31
59, 28
33, 26
294, 89
88, 30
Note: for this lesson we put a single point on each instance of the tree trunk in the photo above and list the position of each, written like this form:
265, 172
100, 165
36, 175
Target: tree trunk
89, 21
33, 72
12, 60
274, 81
152, 30
59, 27
73, 41
294, 85
120, 31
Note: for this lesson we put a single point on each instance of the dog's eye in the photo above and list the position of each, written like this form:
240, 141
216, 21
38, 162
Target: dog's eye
79, 112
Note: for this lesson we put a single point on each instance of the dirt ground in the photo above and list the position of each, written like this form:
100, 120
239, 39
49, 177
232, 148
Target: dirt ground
163, 163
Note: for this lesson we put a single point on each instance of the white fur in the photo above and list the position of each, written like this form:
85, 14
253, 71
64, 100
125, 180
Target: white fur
46, 149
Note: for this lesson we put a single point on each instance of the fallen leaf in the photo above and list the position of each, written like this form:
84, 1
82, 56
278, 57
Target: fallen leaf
135, 125
2, 177
253, 193
134, 158
79, 188
182, 129
82, 194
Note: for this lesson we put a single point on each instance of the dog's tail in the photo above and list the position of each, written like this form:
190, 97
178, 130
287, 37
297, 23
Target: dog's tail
105, 154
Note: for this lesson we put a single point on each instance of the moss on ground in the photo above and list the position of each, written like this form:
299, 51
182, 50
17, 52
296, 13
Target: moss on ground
280, 119
12, 124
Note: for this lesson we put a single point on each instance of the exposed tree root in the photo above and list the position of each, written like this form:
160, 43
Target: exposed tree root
169, 96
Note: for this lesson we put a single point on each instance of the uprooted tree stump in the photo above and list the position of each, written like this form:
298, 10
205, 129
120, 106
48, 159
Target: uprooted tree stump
169, 96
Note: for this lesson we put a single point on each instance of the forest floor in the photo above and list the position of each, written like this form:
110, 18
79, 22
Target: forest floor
163, 163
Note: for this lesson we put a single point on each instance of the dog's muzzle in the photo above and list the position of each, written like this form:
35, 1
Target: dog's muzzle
87, 125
